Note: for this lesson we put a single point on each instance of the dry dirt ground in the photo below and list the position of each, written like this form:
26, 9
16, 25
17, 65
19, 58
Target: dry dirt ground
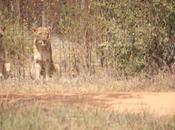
135, 102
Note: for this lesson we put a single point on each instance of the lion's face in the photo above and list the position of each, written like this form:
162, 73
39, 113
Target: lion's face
42, 35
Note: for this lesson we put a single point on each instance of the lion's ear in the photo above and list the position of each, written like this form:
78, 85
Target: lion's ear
34, 30
49, 29
3, 29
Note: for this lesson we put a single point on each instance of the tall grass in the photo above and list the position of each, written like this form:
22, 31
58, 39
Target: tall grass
100, 83
37, 117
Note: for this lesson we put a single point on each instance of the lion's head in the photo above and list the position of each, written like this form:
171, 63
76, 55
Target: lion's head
42, 35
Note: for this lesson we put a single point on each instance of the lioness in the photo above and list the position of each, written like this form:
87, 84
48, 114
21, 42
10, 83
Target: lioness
43, 53
2, 55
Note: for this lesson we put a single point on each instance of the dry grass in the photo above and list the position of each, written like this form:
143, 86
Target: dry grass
38, 117
19, 115
100, 83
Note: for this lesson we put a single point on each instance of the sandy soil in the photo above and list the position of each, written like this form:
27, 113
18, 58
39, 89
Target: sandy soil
156, 103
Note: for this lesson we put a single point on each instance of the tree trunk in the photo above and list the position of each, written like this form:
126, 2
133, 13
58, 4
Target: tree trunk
82, 4
18, 13
43, 14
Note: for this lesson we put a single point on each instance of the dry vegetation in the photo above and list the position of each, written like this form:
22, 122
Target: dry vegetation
65, 117
98, 47
56, 113
118, 38
159, 83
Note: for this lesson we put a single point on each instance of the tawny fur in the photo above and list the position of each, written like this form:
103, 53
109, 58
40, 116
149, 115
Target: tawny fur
43, 53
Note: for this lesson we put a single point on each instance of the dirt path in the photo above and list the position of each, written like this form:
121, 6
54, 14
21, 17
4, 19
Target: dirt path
157, 103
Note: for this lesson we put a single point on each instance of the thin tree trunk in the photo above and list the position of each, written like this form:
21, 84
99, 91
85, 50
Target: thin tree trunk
43, 14
82, 4
18, 13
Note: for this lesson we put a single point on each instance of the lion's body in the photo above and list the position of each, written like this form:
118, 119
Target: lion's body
42, 54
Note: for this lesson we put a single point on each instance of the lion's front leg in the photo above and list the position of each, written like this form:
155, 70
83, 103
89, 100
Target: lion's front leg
38, 68
47, 69
1, 70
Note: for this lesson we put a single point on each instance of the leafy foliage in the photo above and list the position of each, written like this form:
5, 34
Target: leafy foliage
127, 36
